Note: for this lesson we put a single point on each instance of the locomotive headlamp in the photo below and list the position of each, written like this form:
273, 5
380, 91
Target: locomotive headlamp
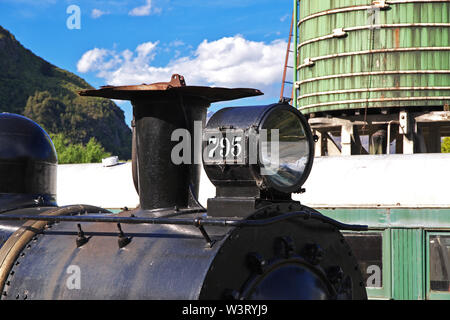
270, 148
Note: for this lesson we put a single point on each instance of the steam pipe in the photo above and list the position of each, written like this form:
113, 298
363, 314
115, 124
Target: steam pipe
192, 221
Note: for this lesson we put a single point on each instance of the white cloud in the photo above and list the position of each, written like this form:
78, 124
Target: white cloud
97, 13
157, 10
276, 33
176, 43
91, 60
144, 10
230, 62
283, 18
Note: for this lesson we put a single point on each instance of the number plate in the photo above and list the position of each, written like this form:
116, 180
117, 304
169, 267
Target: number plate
225, 147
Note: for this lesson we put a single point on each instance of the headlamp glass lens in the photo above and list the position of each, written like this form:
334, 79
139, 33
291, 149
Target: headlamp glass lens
285, 167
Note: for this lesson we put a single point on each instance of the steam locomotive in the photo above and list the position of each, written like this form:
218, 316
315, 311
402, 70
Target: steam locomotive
252, 243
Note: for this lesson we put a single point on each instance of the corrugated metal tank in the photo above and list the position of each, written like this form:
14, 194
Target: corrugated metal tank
354, 54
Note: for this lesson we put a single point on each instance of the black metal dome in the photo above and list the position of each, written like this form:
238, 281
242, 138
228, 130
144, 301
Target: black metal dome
28, 163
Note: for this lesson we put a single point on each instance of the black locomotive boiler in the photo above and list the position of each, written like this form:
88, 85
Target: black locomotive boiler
252, 241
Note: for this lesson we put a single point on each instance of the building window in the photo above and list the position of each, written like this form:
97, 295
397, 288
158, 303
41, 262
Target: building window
368, 250
440, 263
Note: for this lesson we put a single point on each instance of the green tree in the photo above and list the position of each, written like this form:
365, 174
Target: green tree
67, 152
445, 145
94, 152
46, 111
35, 88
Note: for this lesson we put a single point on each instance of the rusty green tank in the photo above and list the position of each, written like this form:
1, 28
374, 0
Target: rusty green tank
358, 54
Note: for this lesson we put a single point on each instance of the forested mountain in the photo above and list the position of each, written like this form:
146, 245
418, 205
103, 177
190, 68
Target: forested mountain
33, 87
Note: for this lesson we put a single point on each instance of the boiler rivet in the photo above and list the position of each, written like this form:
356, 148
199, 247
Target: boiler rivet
256, 262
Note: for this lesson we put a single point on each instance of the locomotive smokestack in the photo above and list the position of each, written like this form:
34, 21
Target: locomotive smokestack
159, 109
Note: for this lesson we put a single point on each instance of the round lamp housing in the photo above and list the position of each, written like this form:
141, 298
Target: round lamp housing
268, 147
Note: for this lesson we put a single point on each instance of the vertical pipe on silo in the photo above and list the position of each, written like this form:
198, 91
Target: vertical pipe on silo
294, 94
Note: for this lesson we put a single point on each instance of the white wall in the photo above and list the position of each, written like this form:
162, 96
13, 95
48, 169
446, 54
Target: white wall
419, 180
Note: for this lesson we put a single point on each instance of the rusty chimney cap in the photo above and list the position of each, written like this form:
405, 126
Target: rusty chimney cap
176, 86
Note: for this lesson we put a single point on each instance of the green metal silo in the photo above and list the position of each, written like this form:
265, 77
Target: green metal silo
363, 55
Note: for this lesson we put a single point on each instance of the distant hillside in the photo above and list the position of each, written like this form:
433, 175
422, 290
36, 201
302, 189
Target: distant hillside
47, 94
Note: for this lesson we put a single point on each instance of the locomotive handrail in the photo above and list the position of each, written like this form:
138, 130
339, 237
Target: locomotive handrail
197, 222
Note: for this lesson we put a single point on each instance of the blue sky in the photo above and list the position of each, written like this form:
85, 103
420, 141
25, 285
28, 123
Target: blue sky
230, 43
